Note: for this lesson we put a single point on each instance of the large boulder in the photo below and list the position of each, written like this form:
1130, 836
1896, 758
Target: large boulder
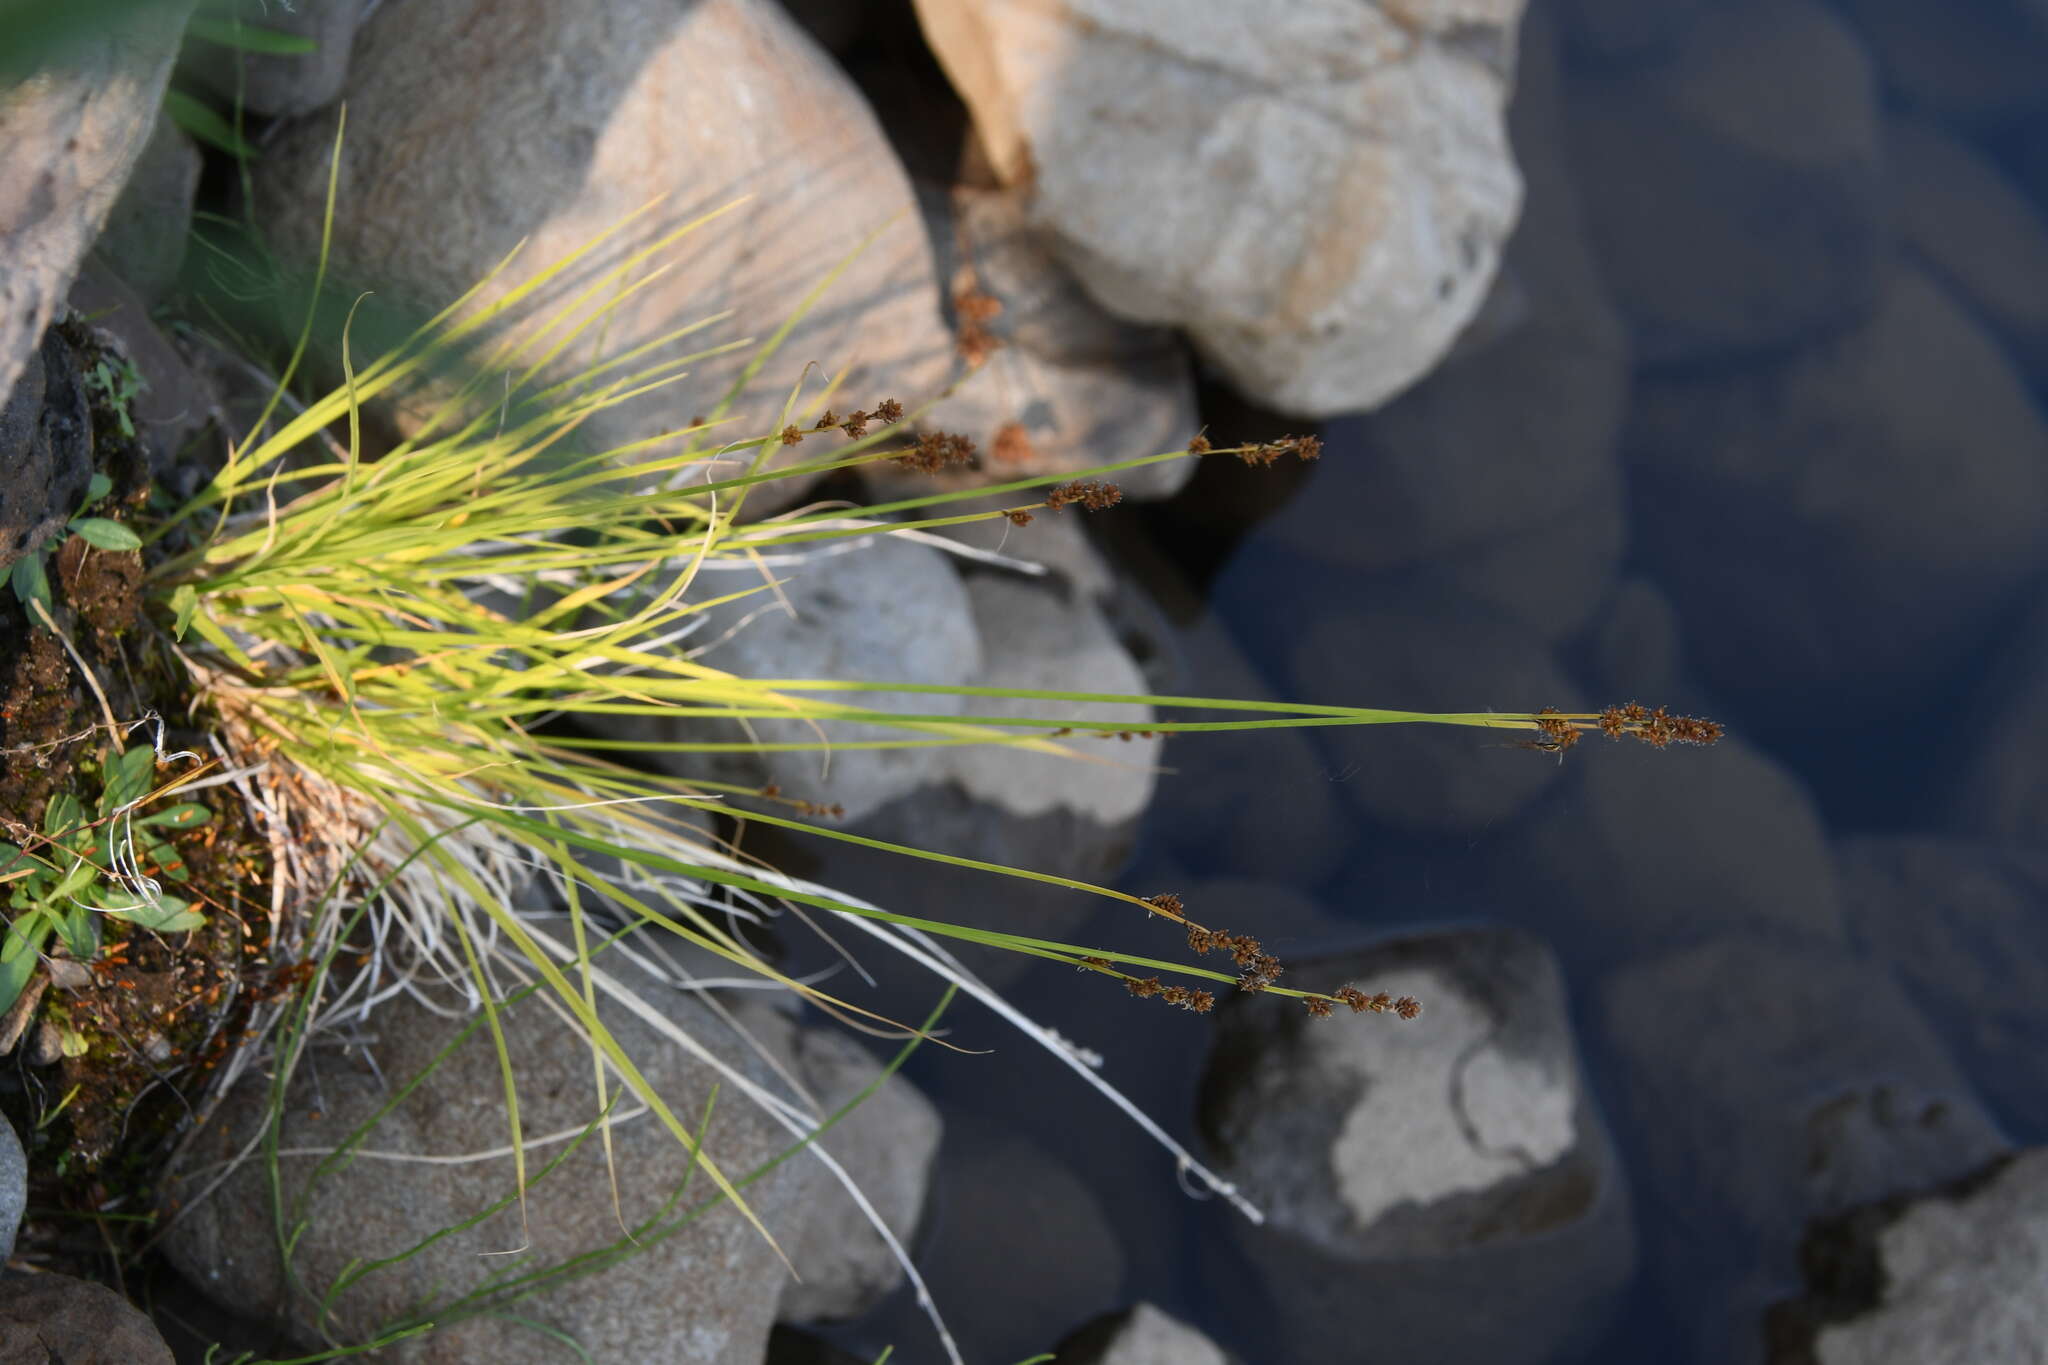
1413, 1171
144, 239
1846, 522
1317, 193
69, 135
1973, 64
476, 124
435, 1180
281, 85
1999, 790
1735, 193
45, 449
1646, 850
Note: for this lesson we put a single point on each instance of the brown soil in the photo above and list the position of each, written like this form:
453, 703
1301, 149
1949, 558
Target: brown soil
115, 1061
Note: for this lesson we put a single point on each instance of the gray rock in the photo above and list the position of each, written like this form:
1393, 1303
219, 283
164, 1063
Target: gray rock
45, 450
1427, 656
1847, 522
1999, 790
887, 610
371, 1208
1946, 1278
1769, 1086
1316, 194
694, 105
1062, 386
286, 85
144, 239
69, 135
1412, 1169
887, 1145
1034, 638
1974, 64
13, 1187
1141, 1335
1964, 927
1646, 850
1976, 230
52, 1319
1688, 167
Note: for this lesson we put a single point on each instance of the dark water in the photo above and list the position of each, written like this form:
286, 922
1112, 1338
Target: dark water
1766, 442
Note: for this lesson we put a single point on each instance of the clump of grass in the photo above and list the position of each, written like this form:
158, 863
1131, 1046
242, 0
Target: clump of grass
383, 649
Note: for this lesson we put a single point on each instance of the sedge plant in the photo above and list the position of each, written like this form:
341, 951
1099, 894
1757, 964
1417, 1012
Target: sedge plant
384, 649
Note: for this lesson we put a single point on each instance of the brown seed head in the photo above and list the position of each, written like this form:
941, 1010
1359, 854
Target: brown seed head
790, 436
1198, 445
889, 412
1317, 1008
1408, 1007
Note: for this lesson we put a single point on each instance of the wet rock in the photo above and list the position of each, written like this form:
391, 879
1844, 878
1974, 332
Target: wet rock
13, 1187
887, 1145
1140, 1335
1616, 30
384, 1206
1976, 230
144, 239
1016, 1243
1318, 196
1647, 850
1999, 790
51, 1319
1062, 385
1433, 657
1498, 476
1410, 1169
1688, 170
1975, 64
1636, 646
1261, 799
442, 173
45, 450
1964, 928
286, 85
68, 138
1768, 1086
887, 610
1845, 523
1949, 1276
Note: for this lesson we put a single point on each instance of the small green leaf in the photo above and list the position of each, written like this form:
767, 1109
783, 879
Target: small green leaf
184, 601
100, 486
203, 123
168, 915
249, 38
128, 778
81, 935
104, 534
79, 876
62, 815
188, 815
18, 956
31, 584
71, 1042
11, 854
